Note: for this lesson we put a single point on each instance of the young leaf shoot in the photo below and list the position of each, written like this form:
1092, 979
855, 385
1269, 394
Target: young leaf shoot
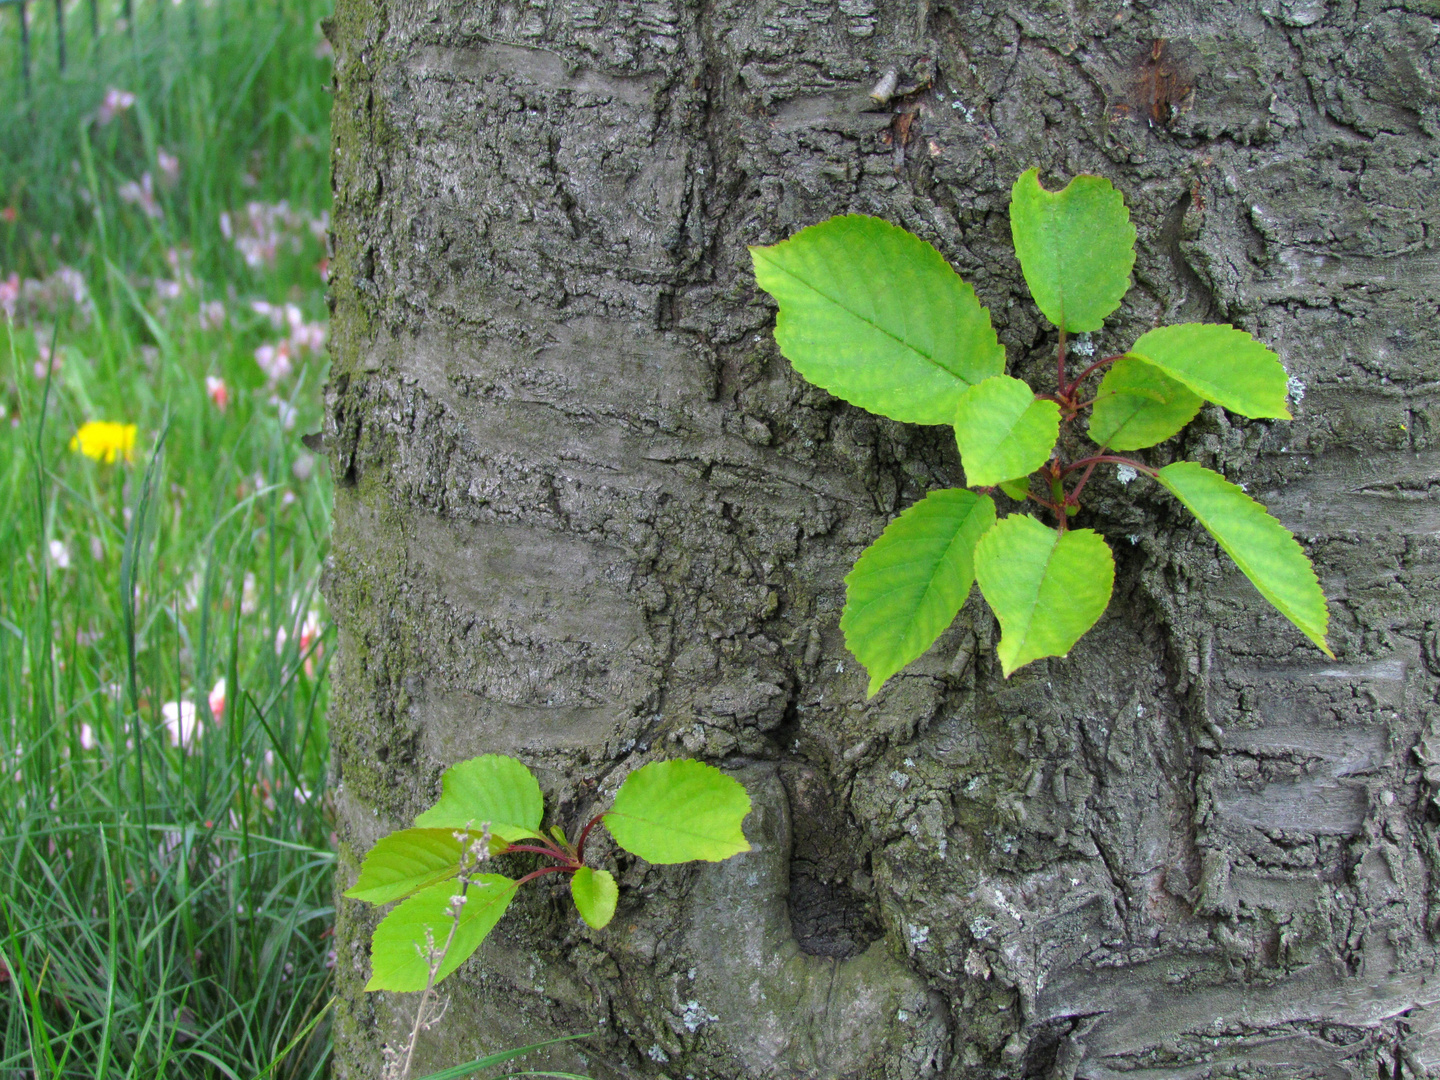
664, 812
876, 316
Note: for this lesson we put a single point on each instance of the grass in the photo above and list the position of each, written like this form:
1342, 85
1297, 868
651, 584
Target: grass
165, 868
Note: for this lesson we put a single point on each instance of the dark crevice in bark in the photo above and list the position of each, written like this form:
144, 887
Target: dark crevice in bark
828, 916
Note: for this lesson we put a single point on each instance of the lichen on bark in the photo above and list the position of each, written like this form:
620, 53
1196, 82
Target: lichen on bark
588, 516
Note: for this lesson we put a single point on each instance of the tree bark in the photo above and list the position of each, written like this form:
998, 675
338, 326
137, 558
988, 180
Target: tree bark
587, 515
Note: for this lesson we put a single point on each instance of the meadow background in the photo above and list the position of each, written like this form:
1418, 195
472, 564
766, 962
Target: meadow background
165, 835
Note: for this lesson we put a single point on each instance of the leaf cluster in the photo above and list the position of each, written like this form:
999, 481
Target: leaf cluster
664, 812
877, 317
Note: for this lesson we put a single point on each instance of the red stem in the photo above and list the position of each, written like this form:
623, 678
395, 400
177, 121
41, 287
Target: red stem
1100, 459
1068, 390
546, 870
585, 835
1081, 486
554, 853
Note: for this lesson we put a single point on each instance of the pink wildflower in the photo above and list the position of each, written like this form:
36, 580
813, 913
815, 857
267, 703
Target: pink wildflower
47, 364
212, 315
274, 360
9, 295
115, 102
169, 166
217, 700
310, 635
142, 195
217, 391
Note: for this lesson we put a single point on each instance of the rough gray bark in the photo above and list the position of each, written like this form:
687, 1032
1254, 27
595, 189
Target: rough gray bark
588, 516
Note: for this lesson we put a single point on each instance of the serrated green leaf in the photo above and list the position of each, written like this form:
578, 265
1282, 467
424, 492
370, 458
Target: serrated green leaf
595, 894
491, 789
1076, 247
410, 860
1221, 364
399, 957
678, 811
1019, 490
1263, 549
1138, 405
1047, 588
908, 586
1004, 431
877, 316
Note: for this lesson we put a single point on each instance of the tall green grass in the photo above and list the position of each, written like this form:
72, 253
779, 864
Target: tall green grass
164, 903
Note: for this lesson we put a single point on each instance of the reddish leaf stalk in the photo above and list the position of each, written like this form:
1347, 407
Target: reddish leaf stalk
585, 835
1069, 391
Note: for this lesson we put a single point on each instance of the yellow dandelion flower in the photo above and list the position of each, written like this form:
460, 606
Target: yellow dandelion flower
104, 441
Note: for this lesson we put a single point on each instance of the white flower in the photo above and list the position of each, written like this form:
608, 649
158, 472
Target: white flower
87, 737
60, 554
286, 412
179, 717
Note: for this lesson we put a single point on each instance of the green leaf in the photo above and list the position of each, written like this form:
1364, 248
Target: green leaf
676, 811
1047, 588
463, 1072
399, 949
1019, 490
1138, 405
1221, 364
908, 586
1076, 247
1004, 431
410, 860
1264, 549
877, 316
489, 789
595, 893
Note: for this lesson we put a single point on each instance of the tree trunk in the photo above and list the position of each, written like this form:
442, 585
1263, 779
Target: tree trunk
588, 516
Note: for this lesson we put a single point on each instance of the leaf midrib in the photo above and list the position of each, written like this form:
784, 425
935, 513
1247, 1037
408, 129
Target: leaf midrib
929, 587
1039, 584
669, 828
869, 322
1257, 515
1009, 435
